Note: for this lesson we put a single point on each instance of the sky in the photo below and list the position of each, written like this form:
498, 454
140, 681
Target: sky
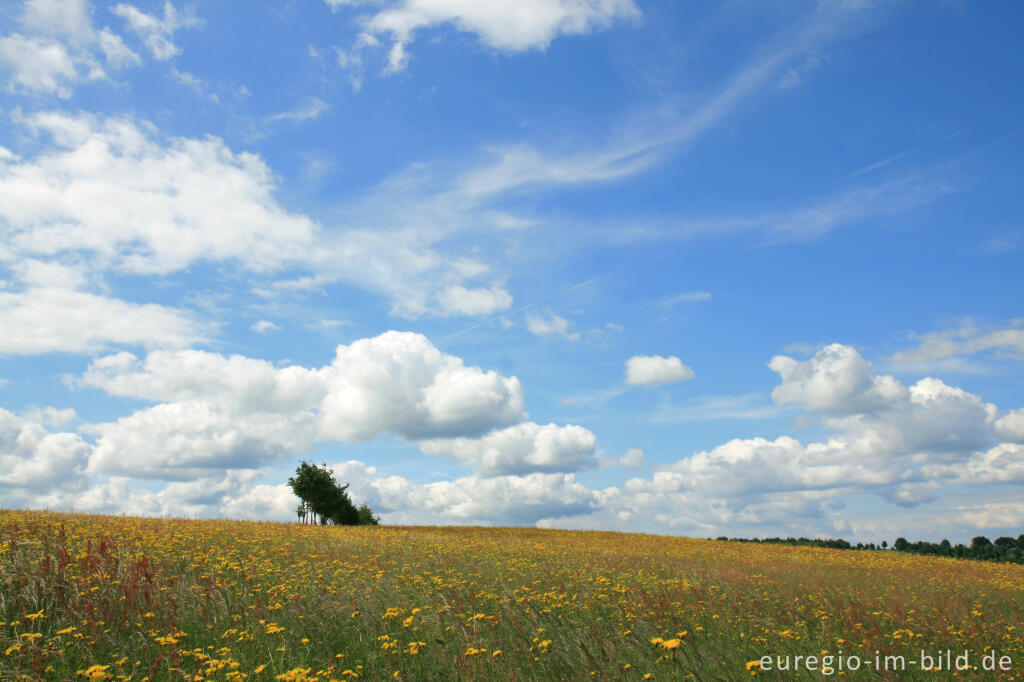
740, 268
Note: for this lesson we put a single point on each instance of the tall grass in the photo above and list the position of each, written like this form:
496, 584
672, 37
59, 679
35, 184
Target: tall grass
97, 597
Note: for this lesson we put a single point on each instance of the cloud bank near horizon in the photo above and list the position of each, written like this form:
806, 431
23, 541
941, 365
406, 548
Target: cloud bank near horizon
218, 420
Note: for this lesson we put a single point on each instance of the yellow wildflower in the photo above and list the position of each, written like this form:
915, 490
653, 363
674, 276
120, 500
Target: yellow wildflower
95, 672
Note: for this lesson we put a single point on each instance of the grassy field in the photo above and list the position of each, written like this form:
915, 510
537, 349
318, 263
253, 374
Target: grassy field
95, 597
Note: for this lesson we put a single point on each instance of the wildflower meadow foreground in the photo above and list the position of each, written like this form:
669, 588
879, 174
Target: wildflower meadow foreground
121, 598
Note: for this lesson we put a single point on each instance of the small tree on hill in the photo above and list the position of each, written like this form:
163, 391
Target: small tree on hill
316, 487
324, 500
366, 517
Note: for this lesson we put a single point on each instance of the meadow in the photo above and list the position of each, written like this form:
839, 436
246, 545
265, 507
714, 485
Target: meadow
123, 598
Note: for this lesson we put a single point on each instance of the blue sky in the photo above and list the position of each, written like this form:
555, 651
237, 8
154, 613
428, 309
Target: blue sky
736, 268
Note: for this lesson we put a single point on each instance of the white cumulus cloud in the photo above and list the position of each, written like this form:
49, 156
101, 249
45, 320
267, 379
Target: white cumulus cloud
836, 379
507, 25
651, 370
225, 412
521, 449
109, 189
244, 385
220, 419
53, 319
37, 65
262, 326
551, 325
59, 47
1011, 426
116, 195
912, 446
400, 383
470, 500
459, 300
34, 460
186, 440
1003, 463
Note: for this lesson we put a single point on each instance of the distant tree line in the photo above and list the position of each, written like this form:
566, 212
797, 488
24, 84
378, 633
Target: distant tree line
323, 501
1002, 549
802, 542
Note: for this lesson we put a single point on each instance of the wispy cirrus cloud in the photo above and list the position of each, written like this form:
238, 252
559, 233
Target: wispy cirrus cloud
388, 240
745, 407
483, 195
1005, 242
950, 347
688, 297
810, 219
307, 111
156, 32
